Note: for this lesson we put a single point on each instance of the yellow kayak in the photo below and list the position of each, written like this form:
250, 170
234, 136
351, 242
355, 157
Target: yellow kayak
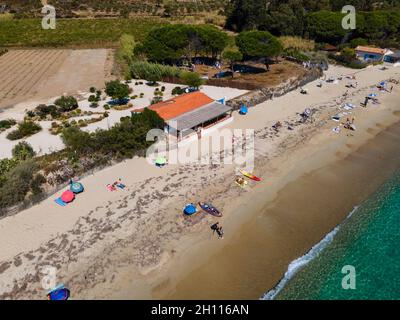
250, 175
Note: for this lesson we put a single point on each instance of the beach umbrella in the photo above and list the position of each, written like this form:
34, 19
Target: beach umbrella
372, 95
76, 187
59, 293
67, 196
161, 161
243, 110
383, 83
190, 209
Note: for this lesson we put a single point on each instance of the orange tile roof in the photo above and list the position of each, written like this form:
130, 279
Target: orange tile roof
177, 106
371, 49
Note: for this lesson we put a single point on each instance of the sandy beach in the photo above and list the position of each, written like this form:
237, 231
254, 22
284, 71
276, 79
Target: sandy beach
136, 243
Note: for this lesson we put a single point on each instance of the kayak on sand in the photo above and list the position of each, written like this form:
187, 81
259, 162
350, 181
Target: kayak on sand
250, 175
209, 208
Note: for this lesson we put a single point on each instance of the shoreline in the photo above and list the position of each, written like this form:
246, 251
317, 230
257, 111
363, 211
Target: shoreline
137, 245
175, 282
266, 230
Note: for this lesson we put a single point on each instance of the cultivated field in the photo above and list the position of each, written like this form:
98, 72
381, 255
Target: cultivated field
82, 33
40, 74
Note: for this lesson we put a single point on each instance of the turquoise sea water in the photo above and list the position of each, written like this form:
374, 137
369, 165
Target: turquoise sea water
369, 240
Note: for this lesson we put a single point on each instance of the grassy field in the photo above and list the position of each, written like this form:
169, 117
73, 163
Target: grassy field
73, 32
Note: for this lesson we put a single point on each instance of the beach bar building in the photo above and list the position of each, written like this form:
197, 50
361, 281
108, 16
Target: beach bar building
190, 114
371, 54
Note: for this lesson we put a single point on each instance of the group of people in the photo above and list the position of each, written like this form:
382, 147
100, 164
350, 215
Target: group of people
218, 229
349, 124
115, 185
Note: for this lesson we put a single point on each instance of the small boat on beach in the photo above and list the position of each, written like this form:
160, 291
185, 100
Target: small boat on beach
210, 209
250, 175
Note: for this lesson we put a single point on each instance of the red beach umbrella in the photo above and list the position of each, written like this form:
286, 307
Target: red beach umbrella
67, 196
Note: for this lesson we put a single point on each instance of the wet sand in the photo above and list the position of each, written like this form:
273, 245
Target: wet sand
303, 212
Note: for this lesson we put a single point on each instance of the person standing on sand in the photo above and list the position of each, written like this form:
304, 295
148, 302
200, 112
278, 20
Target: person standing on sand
215, 227
220, 233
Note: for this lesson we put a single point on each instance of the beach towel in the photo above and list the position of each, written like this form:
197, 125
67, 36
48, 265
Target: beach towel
121, 186
60, 202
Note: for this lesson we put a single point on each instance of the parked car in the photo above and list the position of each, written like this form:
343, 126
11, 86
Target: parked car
222, 74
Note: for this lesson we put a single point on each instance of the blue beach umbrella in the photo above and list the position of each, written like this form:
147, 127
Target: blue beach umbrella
76, 187
190, 209
383, 83
243, 110
59, 293
372, 95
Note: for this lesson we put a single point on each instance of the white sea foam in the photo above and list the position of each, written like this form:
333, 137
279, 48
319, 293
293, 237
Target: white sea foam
299, 263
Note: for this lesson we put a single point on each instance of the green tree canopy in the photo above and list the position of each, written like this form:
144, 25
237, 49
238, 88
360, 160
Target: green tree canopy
192, 79
245, 14
117, 90
66, 103
232, 56
258, 44
169, 43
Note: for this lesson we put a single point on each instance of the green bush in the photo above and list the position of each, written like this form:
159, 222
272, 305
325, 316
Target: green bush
25, 129
153, 71
117, 90
23, 151
296, 54
92, 98
177, 91
43, 111
17, 183
192, 79
66, 103
122, 140
7, 124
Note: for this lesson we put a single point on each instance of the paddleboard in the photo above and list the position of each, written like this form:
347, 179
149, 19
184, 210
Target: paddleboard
210, 209
250, 176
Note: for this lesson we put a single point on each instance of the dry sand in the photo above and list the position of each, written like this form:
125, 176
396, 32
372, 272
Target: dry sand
137, 244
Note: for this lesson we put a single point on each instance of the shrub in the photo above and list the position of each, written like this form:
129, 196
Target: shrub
192, 79
17, 183
358, 42
296, 54
106, 107
117, 90
66, 103
92, 98
25, 129
30, 114
7, 124
153, 71
92, 89
23, 151
156, 99
177, 91
94, 105
43, 111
